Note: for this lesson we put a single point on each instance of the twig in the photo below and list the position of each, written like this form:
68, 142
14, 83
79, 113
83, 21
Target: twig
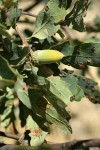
22, 37
25, 43
75, 144
84, 144
28, 14
26, 22
9, 135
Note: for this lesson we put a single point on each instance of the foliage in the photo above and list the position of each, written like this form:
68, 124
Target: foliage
43, 91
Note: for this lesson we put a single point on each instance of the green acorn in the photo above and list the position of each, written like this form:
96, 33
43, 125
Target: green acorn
46, 56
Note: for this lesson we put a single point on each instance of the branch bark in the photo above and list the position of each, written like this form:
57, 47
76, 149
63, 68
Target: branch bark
73, 145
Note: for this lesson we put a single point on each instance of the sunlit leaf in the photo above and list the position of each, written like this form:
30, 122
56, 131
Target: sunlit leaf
36, 133
46, 22
22, 93
53, 117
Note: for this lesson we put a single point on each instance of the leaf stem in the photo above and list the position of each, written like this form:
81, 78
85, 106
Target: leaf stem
28, 14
